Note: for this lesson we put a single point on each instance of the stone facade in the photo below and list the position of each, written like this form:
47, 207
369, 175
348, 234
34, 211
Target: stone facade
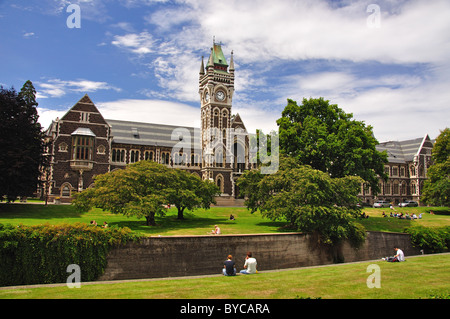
82, 144
407, 167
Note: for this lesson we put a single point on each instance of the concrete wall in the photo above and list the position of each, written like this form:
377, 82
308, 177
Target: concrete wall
156, 257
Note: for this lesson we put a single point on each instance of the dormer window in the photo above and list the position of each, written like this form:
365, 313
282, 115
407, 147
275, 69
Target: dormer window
135, 132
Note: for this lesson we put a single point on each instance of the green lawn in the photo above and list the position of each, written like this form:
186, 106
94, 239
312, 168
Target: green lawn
418, 277
198, 222
201, 221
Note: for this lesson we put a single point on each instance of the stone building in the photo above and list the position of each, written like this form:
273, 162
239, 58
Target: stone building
408, 163
82, 144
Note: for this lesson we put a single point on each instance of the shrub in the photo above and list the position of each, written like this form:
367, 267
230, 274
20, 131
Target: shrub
431, 240
40, 254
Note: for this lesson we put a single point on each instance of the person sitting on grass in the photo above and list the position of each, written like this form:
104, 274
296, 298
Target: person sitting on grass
229, 267
250, 265
399, 256
216, 230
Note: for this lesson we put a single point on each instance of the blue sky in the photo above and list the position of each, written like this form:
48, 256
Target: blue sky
139, 59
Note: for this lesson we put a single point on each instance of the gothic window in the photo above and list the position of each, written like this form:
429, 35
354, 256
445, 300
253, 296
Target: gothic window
387, 188
82, 147
219, 182
413, 189
395, 171
134, 156
396, 188
386, 170
65, 190
403, 188
165, 158
118, 156
402, 171
148, 155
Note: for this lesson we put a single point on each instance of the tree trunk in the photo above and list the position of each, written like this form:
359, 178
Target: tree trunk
180, 212
150, 220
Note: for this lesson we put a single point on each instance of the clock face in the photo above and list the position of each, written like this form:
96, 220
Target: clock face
220, 96
207, 97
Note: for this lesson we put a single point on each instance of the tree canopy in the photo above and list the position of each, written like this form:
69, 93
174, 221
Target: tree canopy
323, 136
21, 141
144, 189
437, 186
309, 199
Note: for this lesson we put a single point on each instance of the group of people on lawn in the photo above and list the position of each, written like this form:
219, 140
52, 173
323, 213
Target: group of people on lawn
403, 216
229, 266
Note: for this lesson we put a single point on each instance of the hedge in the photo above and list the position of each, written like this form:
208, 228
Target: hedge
430, 239
41, 254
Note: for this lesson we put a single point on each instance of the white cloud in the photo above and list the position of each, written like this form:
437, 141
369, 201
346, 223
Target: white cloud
46, 116
28, 34
140, 44
263, 30
151, 111
58, 88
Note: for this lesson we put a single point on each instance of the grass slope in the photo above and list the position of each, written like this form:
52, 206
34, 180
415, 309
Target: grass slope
418, 277
201, 221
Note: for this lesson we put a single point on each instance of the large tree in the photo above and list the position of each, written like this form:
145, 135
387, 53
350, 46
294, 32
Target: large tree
310, 200
188, 191
21, 142
144, 189
323, 136
437, 186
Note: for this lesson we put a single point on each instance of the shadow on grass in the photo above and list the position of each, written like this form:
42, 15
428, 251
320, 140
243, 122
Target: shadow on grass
37, 211
168, 224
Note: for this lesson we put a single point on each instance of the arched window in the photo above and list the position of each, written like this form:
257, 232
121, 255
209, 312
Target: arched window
219, 182
65, 190
134, 156
148, 155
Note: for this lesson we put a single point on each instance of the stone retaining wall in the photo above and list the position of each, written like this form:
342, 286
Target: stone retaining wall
173, 256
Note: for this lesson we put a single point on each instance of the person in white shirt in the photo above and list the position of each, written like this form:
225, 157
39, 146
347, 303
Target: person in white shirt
250, 265
399, 256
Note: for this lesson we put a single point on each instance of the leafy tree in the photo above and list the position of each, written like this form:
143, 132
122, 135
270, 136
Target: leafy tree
188, 191
323, 136
309, 199
437, 187
144, 189
21, 142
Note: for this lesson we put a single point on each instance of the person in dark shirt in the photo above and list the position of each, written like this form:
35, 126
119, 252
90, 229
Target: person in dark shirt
229, 267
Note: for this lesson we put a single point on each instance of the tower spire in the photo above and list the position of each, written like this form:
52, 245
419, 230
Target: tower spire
202, 68
231, 62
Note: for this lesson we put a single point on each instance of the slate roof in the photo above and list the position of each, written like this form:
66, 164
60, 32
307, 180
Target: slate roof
402, 151
138, 133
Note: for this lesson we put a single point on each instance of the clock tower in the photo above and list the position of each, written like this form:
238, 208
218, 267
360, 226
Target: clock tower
216, 88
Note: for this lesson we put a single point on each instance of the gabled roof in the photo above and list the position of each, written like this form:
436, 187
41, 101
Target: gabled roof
85, 104
403, 151
237, 122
